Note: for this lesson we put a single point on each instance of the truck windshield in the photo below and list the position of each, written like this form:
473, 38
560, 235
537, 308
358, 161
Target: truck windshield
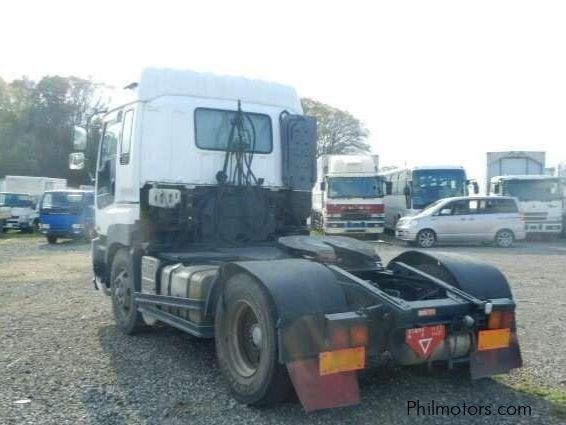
429, 186
64, 201
355, 187
16, 200
533, 190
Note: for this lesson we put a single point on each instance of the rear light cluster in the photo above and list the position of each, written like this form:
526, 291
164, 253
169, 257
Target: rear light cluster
344, 336
498, 334
501, 319
367, 208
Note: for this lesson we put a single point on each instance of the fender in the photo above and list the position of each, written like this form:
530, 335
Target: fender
302, 292
477, 278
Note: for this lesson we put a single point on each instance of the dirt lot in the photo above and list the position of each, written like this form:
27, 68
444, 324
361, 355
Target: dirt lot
62, 360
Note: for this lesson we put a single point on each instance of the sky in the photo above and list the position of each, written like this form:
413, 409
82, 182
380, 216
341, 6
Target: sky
435, 82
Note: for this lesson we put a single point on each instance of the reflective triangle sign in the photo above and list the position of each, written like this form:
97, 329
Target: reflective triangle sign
425, 340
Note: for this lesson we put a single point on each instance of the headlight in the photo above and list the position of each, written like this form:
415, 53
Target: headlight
44, 225
78, 226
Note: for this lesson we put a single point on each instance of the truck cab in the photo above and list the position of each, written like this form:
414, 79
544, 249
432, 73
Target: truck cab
203, 190
348, 196
66, 214
540, 200
22, 208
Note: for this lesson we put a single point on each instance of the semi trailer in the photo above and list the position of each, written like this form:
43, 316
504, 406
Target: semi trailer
348, 195
203, 190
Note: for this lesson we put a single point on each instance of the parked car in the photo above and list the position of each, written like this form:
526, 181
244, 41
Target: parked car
66, 214
465, 219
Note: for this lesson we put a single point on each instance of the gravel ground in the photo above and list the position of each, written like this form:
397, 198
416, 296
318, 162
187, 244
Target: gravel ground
63, 360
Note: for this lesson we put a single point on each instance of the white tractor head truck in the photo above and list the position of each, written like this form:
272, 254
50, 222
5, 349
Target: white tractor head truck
522, 175
203, 190
348, 196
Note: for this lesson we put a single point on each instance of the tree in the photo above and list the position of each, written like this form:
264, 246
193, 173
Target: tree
36, 123
339, 132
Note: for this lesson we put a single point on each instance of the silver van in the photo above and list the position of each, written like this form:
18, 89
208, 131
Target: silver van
465, 219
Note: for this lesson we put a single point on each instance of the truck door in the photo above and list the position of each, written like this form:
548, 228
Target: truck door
106, 174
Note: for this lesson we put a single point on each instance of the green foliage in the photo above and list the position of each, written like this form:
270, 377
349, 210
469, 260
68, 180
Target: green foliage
36, 123
339, 132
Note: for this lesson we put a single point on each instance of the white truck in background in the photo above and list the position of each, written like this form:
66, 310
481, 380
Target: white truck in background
20, 194
348, 195
522, 175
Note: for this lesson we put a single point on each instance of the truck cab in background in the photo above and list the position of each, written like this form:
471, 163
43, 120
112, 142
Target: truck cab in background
540, 200
66, 214
22, 209
348, 195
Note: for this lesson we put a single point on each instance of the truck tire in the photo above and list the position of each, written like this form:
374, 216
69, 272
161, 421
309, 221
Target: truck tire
128, 319
246, 343
51, 239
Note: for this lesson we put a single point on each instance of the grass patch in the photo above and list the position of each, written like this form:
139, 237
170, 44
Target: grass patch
19, 235
556, 397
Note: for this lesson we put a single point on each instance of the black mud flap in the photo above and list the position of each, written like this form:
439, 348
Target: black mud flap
495, 362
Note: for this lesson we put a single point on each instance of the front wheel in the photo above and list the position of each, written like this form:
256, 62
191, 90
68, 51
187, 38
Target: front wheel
51, 239
246, 343
426, 238
504, 238
128, 319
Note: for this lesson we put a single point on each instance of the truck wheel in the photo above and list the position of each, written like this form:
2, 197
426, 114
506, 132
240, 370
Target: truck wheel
51, 239
246, 343
504, 238
128, 319
426, 238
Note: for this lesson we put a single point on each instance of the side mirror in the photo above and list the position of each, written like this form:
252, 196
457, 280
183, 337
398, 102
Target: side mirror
77, 161
445, 211
476, 187
79, 138
322, 186
407, 191
388, 188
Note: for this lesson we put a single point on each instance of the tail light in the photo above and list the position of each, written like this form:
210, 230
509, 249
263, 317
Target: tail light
501, 319
345, 330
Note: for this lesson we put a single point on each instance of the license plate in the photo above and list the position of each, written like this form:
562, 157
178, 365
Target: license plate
425, 340
345, 360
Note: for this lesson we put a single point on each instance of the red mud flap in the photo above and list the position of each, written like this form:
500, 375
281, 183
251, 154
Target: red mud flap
484, 363
317, 391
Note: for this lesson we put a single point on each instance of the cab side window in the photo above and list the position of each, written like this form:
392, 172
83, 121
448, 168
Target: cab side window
106, 173
126, 142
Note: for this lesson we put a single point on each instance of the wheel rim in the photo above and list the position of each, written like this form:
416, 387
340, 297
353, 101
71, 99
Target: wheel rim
122, 293
426, 239
245, 342
504, 239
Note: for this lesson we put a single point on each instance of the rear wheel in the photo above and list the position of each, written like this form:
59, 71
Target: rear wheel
426, 238
51, 239
128, 319
246, 343
504, 238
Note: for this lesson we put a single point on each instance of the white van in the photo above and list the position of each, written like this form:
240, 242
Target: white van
465, 219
